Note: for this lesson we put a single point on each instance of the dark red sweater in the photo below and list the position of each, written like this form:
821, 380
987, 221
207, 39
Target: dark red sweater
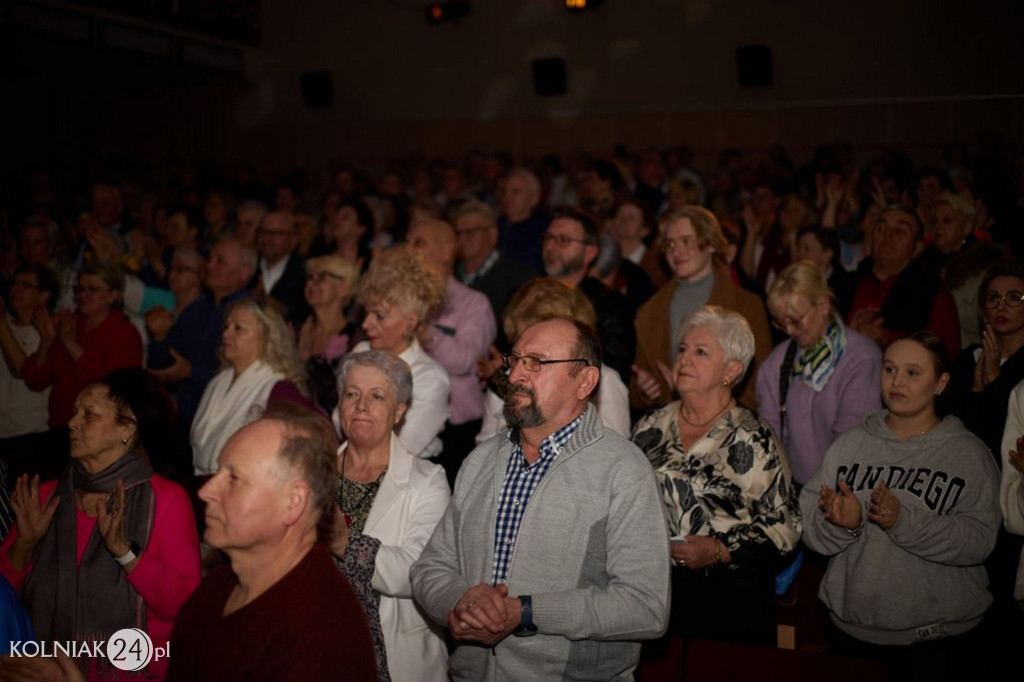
308, 626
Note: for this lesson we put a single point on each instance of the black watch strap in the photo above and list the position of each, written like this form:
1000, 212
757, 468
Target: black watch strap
526, 626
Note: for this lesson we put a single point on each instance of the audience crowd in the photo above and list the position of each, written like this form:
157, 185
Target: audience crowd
776, 367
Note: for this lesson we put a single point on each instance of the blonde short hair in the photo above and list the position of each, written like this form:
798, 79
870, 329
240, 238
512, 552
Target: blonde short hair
803, 278
339, 267
400, 279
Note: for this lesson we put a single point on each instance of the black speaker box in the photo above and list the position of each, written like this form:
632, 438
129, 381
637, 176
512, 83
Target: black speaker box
549, 76
317, 89
754, 65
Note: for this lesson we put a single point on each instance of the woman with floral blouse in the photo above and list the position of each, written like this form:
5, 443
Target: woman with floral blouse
727, 490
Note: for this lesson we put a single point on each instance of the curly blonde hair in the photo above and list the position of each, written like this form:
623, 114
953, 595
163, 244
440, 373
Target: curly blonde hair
400, 279
277, 347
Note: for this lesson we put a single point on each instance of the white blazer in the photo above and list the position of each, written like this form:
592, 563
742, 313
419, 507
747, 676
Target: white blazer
1011, 486
409, 503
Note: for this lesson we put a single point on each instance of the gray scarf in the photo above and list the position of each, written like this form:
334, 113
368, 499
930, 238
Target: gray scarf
91, 601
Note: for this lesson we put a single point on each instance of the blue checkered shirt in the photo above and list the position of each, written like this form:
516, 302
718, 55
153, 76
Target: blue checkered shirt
521, 479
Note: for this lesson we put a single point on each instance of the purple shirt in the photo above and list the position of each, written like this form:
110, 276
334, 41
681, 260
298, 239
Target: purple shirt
813, 419
461, 333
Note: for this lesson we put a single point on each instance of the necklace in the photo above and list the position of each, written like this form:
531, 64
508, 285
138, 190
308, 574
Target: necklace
718, 414
888, 422
356, 499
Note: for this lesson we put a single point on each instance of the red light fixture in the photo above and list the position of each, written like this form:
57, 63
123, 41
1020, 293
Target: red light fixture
440, 12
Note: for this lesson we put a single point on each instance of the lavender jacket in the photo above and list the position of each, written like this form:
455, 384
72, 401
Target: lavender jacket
814, 420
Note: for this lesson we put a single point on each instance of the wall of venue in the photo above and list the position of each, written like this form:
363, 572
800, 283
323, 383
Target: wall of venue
640, 72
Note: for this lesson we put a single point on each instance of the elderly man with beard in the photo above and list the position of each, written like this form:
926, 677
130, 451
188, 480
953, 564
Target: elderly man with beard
554, 534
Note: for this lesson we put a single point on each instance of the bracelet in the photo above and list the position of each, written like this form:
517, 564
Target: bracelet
131, 555
718, 551
855, 532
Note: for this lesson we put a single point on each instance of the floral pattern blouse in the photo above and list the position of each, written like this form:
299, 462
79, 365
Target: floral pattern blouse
732, 484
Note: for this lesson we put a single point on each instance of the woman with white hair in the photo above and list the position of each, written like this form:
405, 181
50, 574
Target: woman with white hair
728, 495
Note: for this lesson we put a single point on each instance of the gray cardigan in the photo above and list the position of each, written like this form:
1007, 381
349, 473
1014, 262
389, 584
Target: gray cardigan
592, 551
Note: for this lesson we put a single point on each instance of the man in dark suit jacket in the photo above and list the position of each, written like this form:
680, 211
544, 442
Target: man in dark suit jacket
281, 275
481, 266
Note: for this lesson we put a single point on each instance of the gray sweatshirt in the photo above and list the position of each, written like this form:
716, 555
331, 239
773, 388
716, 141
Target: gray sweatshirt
924, 578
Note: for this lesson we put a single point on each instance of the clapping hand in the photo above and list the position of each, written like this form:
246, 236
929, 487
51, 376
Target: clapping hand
987, 368
111, 523
33, 521
179, 370
43, 322
66, 322
885, 507
841, 508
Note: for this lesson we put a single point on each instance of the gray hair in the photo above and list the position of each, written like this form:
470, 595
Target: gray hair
532, 182
730, 329
394, 369
473, 207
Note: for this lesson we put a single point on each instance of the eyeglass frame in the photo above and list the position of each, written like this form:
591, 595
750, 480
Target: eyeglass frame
791, 323
562, 240
508, 365
991, 301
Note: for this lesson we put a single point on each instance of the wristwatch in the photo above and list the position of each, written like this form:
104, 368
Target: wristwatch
526, 627
131, 555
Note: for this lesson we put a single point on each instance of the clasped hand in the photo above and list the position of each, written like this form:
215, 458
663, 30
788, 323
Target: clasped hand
485, 614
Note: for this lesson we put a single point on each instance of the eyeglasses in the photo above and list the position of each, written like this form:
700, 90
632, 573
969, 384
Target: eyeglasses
321, 276
687, 243
276, 234
895, 231
89, 290
1012, 299
790, 322
562, 240
531, 363
470, 231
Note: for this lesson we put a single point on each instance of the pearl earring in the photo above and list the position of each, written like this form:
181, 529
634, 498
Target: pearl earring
124, 440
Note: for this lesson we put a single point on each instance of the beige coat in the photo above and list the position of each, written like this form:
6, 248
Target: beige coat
653, 340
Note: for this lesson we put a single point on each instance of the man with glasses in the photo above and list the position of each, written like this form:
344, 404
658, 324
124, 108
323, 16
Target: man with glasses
281, 275
896, 293
570, 249
555, 533
481, 266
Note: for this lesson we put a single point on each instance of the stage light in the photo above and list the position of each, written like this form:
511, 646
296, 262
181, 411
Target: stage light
439, 12
582, 5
